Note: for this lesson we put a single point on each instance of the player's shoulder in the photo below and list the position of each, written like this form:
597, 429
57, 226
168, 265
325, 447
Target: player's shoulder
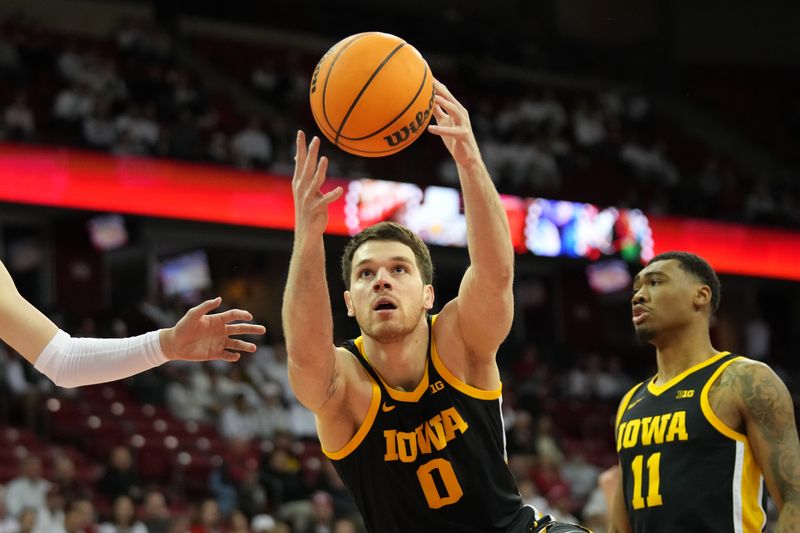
747, 380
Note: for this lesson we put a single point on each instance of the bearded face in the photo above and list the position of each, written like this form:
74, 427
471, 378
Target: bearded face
387, 296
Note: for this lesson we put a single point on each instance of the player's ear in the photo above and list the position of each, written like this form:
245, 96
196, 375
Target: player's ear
702, 296
349, 303
427, 297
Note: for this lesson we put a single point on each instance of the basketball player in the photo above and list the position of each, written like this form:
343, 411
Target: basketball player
409, 412
73, 362
697, 441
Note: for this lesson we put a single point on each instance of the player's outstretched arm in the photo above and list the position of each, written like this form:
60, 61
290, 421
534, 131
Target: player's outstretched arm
73, 362
306, 313
485, 299
768, 412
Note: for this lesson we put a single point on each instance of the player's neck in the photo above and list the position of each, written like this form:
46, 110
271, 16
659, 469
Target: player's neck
682, 351
401, 364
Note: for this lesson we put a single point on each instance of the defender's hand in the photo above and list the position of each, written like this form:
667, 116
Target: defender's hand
199, 336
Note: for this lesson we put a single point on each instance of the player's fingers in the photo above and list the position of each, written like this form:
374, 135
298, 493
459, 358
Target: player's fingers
239, 346
332, 196
204, 307
441, 88
311, 158
453, 111
300, 153
235, 314
456, 132
319, 175
230, 357
245, 329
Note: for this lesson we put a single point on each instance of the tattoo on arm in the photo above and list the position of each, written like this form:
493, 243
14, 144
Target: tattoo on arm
769, 407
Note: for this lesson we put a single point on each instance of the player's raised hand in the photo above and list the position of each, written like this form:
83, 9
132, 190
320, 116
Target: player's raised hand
199, 336
310, 204
453, 126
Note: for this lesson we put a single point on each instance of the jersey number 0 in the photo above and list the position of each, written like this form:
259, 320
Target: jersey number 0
443, 470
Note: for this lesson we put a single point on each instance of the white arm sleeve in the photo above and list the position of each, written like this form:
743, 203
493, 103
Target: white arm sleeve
84, 361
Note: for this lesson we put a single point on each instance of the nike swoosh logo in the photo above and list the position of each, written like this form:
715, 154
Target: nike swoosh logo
634, 403
386, 407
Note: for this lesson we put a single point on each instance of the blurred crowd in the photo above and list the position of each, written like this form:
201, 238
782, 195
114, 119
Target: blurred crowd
130, 95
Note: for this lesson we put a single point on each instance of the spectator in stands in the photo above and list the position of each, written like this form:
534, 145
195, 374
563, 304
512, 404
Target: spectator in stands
120, 477
29, 488
8, 522
263, 523
72, 105
188, 395
155, 514
588, 126
548, 447
760, 205
580, 475
322, 514
185, 141
79, 517
123, 518
99, 130
27, 520
251, 147
65, 479
271, 415
239, 419
218, 150
238, 462
238, 523
19, 122
281, 476
51, 516
209, 518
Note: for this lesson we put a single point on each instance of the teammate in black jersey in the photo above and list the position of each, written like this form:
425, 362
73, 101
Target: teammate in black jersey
410, 411
697, 441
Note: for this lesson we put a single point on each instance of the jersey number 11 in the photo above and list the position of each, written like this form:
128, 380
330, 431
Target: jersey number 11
653, 481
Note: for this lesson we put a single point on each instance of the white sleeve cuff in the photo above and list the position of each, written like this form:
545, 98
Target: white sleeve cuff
73, 362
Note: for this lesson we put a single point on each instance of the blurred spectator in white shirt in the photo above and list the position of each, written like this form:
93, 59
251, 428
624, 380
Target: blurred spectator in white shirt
28, 489
251, 147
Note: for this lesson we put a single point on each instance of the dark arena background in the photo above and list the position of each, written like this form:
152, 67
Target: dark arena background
146, 153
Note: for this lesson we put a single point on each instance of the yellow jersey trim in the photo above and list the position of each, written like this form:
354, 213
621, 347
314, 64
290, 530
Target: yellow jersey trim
366, 425
453, 381
398, 395
657, 390
623, 404
709, 413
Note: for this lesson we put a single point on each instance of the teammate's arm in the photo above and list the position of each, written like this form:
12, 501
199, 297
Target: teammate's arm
768, 412
485, 300
73, 362
611, 485
306, 313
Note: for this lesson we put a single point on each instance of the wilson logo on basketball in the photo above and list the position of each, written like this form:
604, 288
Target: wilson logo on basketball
420, 120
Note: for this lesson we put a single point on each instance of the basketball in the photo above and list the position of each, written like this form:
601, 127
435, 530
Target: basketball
372, 94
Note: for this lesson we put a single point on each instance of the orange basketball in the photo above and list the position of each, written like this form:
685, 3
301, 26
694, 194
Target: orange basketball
372, 94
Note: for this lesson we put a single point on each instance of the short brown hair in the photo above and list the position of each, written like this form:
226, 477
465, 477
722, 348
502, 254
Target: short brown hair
389, 231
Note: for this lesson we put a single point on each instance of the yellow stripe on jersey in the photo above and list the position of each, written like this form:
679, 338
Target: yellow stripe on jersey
453, 381
623, 404
754, 518
366, 425
656, 390
399, 395
709, 413
747, 487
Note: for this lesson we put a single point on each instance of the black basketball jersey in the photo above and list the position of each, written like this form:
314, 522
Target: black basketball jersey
432, 459
683, 469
